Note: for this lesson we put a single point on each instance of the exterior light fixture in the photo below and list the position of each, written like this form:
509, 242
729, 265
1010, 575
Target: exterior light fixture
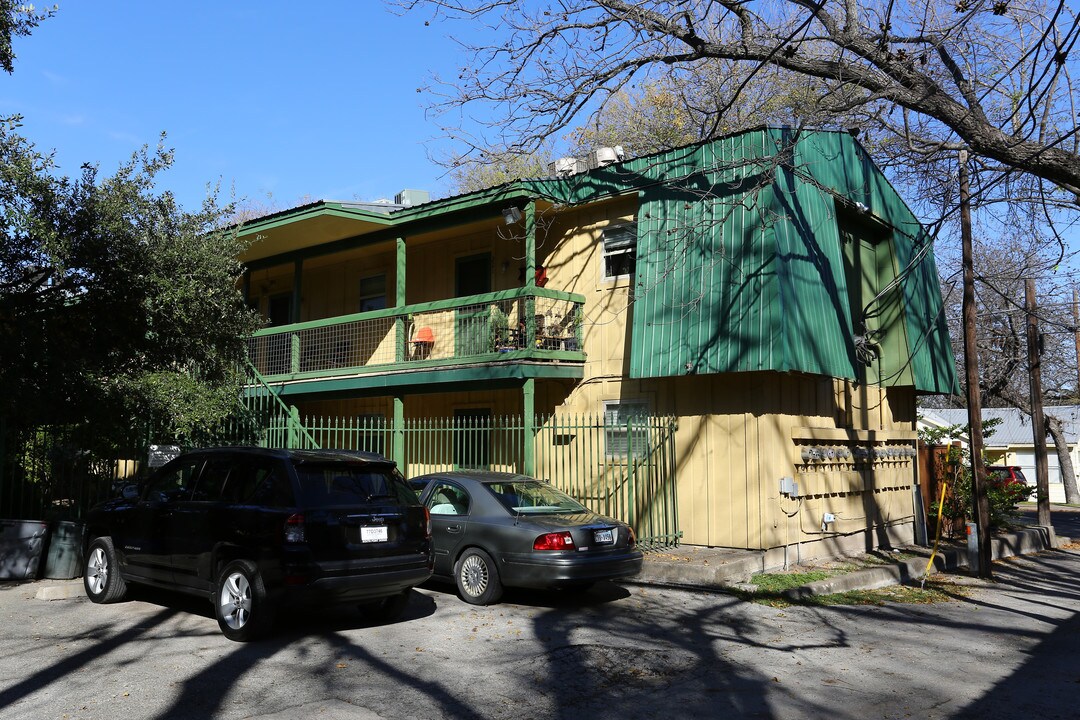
511, 215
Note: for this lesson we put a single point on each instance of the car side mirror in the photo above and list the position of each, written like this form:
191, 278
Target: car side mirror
130, 492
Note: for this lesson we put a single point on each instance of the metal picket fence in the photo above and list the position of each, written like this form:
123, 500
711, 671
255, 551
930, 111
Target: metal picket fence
625, 469
622, 469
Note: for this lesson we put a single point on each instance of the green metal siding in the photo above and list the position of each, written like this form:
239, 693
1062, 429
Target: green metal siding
839, 164
740, 265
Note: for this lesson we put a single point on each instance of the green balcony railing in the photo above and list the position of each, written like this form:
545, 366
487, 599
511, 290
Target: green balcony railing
521, 324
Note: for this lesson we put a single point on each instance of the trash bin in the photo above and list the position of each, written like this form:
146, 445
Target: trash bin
21, 543
65, 556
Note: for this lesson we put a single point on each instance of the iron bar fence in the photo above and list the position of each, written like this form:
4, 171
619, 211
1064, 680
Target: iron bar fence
623, 469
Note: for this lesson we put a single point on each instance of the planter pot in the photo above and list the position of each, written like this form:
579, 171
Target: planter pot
65, 556
21, 544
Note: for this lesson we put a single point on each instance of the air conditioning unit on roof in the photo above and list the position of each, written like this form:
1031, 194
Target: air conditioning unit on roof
566, 166
601, 157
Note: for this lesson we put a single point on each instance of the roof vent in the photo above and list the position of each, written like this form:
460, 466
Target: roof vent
412, 197
566, 166
601, 157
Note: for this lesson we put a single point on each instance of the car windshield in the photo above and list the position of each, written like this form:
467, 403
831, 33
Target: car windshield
532, 497
329, 484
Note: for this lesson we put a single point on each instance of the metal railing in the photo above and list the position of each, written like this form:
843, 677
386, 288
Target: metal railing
535, 324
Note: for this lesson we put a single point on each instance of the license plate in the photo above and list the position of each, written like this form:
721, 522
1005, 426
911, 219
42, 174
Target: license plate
374, 534
603, 537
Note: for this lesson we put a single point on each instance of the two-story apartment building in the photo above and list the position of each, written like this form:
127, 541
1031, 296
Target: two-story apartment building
768, 291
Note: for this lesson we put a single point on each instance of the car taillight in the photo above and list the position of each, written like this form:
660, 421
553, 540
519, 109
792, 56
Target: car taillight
554, 541
427, 522
294, 529
632, 537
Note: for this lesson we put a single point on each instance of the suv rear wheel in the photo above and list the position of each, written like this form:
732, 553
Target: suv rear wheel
240, 605
101, 576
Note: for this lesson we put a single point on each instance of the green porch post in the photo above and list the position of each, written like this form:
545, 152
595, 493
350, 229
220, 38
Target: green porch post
530, 277
528, 397
398, 452
399, 301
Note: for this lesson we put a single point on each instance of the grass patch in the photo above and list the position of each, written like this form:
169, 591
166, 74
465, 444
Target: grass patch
766, 583
935, 591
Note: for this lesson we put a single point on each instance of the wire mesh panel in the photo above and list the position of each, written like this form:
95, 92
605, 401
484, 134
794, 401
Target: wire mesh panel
479, 330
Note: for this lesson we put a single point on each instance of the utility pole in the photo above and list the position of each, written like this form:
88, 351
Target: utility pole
1076, 338
980, 503
1038, 422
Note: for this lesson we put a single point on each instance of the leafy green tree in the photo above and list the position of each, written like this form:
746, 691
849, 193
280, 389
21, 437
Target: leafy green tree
17, 19
117, 307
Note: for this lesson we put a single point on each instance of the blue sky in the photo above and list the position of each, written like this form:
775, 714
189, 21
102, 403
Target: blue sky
296, 100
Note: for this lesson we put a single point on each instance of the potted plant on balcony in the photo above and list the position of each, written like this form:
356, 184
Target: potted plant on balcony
499, 330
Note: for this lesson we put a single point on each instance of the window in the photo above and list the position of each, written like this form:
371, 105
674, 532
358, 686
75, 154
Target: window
625, 430
341, 484
256, 483
174, 481
447, 499
212, 481
373, 293
620, 250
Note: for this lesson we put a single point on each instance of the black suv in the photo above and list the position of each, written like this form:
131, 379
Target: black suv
253, 529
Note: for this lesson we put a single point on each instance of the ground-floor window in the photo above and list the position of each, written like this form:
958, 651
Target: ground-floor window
625, 431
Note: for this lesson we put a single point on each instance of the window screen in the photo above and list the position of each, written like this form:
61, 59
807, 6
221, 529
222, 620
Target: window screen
620, 251
626, 429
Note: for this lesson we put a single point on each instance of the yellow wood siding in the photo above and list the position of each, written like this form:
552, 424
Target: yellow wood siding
738, 434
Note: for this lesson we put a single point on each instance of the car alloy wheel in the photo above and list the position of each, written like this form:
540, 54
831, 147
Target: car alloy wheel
101, 574
477, 578
240, 603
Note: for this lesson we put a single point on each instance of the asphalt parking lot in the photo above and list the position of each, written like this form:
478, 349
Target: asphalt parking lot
998, 650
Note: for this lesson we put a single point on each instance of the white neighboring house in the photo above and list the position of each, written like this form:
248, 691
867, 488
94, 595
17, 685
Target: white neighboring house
1012, 441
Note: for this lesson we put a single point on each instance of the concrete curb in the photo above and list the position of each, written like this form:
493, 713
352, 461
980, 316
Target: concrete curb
1022, 542
62, 590
702, 575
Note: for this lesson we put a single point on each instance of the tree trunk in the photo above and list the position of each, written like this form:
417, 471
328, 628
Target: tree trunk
1068, 476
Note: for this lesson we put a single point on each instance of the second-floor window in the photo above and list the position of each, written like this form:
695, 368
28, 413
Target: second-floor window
372, 293
620, 250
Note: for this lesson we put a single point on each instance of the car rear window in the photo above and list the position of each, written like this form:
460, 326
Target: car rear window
329, 484
534, 498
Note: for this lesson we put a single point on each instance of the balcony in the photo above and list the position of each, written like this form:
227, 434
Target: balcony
510, 326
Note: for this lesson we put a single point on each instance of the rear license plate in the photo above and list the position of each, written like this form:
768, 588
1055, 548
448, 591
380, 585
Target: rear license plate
374, 534
603, 537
